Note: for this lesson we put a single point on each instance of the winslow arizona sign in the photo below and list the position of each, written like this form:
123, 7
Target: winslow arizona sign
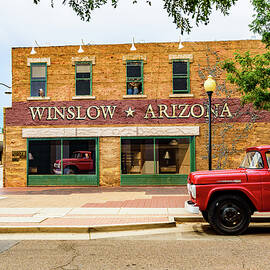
127, 112
108, 112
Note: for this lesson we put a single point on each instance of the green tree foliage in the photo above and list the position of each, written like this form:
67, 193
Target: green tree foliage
261, 22
252, 77
183, 12
251, 74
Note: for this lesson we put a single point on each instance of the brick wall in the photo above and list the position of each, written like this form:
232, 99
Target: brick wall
109, 85
109, 71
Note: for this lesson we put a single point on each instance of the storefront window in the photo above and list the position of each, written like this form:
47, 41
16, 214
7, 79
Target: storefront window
173, 156
42, 156
155, 156
60, 157
138, 156
79, 157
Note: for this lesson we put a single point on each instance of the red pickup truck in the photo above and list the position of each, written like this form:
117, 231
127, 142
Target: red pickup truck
228, 198
80, 162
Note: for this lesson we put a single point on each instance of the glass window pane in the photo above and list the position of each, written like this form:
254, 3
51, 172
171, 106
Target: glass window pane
79, 157
83, 87
36, 86
42, 156
134, 69
179, 68
268, 159
83, 71
252, 160
83, 68
179, 84
38, 72
173, 156
137, 156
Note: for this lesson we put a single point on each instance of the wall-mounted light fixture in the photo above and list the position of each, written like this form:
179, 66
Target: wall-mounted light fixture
33, 51
81, 49
133, 48
180, 46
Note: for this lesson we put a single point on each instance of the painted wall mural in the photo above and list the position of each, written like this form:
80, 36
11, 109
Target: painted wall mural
222, 150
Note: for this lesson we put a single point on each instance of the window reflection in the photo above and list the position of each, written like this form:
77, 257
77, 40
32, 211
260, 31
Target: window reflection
79, 157
42, 155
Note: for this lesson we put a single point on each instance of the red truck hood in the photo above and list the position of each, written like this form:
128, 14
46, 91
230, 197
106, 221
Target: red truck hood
218, 176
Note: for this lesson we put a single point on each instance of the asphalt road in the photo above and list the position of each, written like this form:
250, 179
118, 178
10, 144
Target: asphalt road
189, 246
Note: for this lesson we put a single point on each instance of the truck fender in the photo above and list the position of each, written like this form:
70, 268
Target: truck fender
239, 189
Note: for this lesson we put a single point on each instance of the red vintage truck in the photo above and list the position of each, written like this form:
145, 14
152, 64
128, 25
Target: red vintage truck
80, 162
228, 198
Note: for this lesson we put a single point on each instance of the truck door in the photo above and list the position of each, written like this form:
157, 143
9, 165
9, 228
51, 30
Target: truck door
266, 185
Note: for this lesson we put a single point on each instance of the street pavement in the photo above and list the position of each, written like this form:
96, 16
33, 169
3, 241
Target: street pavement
191, 246
91, 211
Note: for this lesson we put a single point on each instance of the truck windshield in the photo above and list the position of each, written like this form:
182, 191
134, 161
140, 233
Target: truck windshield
76, 155
252, 160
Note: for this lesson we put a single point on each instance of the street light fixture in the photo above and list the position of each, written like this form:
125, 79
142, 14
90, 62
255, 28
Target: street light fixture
209, 86
7, 92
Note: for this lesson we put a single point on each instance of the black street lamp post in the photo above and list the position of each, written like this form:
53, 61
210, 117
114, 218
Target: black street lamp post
209, 86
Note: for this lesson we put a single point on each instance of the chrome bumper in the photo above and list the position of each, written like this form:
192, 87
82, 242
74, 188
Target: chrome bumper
190, 207
56, 171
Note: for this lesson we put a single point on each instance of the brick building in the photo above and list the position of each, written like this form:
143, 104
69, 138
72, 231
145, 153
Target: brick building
1, 147
111, 116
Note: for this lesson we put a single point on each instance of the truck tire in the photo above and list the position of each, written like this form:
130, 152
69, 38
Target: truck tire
69, 170
229, 214
205, 215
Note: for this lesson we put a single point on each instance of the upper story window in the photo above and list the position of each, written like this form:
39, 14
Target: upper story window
83, 78
181, 80
134, 77
38, 79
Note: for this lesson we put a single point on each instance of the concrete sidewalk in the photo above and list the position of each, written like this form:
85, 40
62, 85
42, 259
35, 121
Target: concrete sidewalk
93, 209
90, 206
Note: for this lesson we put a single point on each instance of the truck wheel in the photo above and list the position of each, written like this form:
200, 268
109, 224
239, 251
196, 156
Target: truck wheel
229, 214
69, 171
205, 215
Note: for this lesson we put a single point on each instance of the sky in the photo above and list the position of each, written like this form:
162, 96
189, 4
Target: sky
22, 23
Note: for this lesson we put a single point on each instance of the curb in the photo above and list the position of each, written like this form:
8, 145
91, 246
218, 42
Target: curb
260, 219
86, 229
113, 227
255, 219
189, 219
